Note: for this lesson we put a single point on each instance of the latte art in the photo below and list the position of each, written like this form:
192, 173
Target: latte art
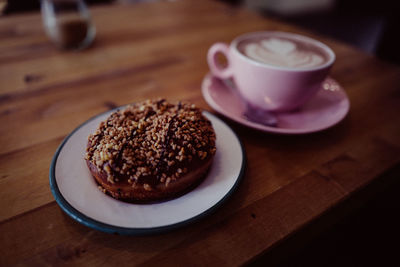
283, 52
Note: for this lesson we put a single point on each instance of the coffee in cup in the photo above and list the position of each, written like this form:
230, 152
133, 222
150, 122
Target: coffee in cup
274, 71
283, 52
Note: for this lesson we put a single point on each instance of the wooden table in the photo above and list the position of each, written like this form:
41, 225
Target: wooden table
158, 50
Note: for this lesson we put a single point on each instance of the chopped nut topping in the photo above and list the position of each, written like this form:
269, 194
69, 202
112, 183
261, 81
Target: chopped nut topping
102, 189
147, 187
152, 141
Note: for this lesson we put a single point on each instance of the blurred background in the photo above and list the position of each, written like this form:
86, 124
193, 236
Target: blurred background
372, 26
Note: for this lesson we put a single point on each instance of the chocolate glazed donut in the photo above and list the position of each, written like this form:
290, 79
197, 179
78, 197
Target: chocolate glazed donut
151, 151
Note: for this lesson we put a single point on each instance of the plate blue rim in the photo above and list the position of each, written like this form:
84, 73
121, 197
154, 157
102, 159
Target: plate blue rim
111, 229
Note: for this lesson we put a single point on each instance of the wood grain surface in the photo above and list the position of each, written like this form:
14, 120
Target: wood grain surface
158, 50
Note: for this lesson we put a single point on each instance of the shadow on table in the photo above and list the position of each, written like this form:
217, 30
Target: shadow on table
365, 232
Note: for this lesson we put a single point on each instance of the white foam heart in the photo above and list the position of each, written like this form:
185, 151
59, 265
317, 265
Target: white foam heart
279, 46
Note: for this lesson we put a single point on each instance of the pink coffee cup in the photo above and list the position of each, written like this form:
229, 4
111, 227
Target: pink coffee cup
275, 71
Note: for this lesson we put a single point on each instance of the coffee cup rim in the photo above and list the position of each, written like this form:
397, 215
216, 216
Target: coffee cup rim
332, 55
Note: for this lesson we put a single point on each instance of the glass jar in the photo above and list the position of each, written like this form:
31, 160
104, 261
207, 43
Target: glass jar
68, 23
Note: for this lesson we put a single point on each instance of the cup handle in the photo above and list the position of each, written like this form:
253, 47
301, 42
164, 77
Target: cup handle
216, 69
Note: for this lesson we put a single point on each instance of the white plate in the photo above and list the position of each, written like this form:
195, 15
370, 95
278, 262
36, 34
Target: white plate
77, 194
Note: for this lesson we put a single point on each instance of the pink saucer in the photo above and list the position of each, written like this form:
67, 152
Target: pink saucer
328, 107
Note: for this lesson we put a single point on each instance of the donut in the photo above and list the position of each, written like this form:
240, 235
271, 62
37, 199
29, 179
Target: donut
151, 151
